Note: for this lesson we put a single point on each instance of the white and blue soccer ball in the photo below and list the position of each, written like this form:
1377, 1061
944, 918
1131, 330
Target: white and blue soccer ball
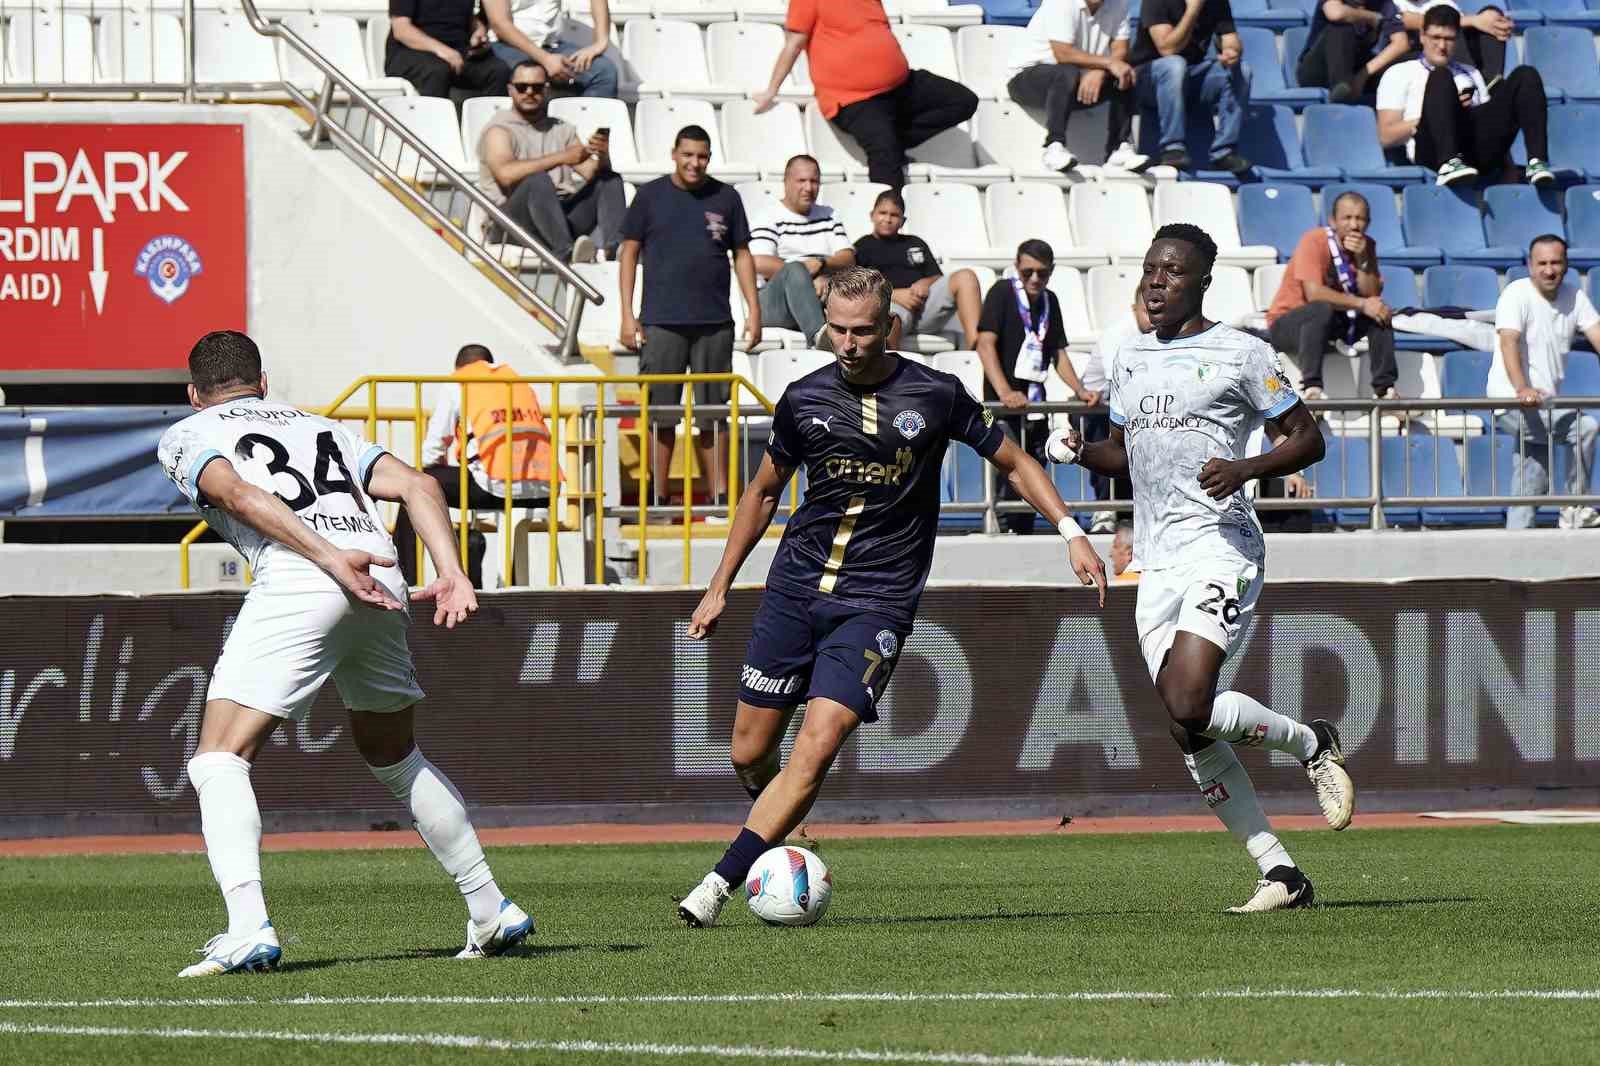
789, 886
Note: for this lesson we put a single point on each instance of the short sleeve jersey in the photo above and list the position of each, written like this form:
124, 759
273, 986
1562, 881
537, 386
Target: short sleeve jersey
1070, 22
903, 259
1181, 403
686, 237
1547, 328
316, 466
446, 21
1215, 18
853, 54
865, 532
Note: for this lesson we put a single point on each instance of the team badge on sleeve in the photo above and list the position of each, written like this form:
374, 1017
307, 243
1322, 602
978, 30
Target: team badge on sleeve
910, 423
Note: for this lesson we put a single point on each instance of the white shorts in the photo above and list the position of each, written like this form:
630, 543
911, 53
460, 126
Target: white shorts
285, 644
1212, 598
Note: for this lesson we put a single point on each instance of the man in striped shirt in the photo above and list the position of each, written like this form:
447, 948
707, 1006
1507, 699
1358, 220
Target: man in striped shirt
796, 243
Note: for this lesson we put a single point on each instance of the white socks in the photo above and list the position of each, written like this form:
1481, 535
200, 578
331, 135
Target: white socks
1238, 719
231, 823
440, 816
1231, 796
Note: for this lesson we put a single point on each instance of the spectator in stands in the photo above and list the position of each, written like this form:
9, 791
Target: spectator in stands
1351, 42
1020, 337
1332, 291
686, 225
1447, 117
1097, 426
437, 45
1122, 551
1074, 55
1535, 321
524, 455
1175, 73
924, 297
540, 32
1482, 41
864, 85
535, 168
796, 243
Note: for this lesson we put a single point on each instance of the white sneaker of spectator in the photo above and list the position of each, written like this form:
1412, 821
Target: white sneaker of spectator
1125, 158
1057, 158
1454, 170
1104, 522
1578, 518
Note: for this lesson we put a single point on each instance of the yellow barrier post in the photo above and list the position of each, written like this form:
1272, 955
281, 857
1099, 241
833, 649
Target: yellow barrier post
688, 477
599, 487
555, 452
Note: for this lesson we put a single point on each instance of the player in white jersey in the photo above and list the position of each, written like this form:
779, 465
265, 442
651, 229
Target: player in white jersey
1185, 398
296, 494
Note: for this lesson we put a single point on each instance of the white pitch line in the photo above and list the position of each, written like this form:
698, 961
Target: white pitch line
1393, 994
596, 1047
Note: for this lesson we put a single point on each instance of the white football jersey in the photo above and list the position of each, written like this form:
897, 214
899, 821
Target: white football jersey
1181, 403
315, 465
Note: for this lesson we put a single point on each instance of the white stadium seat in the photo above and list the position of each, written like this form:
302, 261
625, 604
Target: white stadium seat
950, 219
140, 46
964, 365
475, 114
938, 12
657, 125
703, 12
740, 55
836, 151
780, 368
670, 58
621, 10
769, 140
48, 46
589, 113
1267, 280
433, 121
951, 156
758, 196
1067, 283
226, 49
852, 205
984, 53
1113, 215
1185, 201
1020, 211
338, 39
1229, 298
763, 10
930, 48
1110, 290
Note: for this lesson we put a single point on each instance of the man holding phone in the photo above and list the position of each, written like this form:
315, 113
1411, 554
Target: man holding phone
558, 188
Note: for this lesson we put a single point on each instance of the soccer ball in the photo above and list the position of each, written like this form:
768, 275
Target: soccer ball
789, 886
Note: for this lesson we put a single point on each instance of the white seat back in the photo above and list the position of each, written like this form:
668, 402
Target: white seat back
1111, 290
1019, 211
741, 54
475, 114
1111, 215
666, 53
1067, 284
431, 119
964, 365
136, 46
834, 149
589, 113
1188, 201
1229, 298
1267, 281
1006, 134
948, 216
337, 38
930, 48
658, 123
227, 49
984, 53
758, 196
769, 140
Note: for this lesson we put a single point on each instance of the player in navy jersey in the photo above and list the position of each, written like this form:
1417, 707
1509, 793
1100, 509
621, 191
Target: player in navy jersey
842, 592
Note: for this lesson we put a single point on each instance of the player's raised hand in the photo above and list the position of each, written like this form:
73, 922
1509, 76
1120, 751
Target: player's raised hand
704, 619
1221, 478
1087, 565
351, 569
453, 598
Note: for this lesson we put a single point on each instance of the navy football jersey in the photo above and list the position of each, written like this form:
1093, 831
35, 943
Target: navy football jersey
864, 533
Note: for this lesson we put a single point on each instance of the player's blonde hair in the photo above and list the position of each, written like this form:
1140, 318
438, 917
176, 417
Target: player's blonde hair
854, 283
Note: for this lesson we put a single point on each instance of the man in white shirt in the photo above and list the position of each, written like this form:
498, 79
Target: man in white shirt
1073, 56
1535, 321
1484, 34
540, 32
796, 243
1446, 116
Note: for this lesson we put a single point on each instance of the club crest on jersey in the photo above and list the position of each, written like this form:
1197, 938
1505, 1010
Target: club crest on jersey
1204, 371
168, 263
910, 423
888, 643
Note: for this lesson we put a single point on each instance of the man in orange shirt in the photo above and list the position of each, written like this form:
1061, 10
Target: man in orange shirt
1332, 291
863, 83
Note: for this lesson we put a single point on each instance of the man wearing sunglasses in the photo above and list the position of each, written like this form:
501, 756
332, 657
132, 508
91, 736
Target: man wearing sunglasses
1020, 337
558, 188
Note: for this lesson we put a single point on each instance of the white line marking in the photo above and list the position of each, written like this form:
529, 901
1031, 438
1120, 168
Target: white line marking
596, 1047
33, 461
1418, 993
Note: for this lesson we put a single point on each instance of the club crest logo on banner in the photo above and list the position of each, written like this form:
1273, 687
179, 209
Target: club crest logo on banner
168, 263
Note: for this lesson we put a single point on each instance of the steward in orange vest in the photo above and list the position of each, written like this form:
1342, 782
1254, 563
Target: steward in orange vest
520, 456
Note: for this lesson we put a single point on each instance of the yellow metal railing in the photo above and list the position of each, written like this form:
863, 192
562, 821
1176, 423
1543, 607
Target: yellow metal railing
568, 491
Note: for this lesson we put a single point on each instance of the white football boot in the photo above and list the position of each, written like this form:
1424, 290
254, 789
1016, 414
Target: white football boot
509, 928
255, 952
1283, 888
1336, 793
701, 906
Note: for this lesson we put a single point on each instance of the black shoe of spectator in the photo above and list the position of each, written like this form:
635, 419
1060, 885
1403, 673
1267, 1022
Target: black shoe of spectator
1177, 157
1233, 163
1349, 92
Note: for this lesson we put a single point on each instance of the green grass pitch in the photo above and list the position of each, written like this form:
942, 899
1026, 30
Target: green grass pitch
1429, 948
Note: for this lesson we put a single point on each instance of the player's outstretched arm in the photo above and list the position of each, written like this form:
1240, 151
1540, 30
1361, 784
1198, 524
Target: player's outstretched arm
1108, 458
263, 512
1299, 445
756, 508
1035, 486
452, 595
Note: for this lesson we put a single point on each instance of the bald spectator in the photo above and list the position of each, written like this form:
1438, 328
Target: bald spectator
864, 85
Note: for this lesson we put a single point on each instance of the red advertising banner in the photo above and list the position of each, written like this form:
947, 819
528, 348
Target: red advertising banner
119, 244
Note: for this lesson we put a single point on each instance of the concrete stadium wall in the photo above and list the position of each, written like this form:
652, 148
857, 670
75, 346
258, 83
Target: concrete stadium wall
343, 280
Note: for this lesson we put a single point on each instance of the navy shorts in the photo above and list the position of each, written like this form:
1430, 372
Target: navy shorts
805, 647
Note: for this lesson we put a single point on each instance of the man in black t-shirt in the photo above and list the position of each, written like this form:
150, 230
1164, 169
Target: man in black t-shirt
1018, 348
1175, 73
686, 225
438, 45
924, 298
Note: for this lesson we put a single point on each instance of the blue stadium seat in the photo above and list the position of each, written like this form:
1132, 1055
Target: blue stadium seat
1005, 12
1275, 214
1256, 14
1518, 272
1271, 141
1567, 13
1442, 216
1399, 285
1582, 378
1513, 216
964, 473
1073, 482
1306, 8
1489, 471
1583, 223
1420, 464
1574, 149
1524, 13
1564, 56
1385, 225
1294, 42
1345, 470
1266, 73
1474, 287
1337, 135
1466, 374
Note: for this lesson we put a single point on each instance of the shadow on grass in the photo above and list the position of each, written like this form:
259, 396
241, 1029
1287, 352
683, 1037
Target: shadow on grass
992, 916
524, 950
1389, 904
